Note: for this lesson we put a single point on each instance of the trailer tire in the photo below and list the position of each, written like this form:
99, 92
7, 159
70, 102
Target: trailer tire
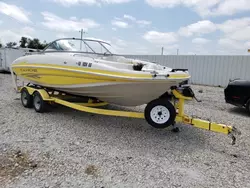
38, 103
160, 113
26, 98
248, 106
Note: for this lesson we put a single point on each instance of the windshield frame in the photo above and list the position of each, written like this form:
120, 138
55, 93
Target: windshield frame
85, 41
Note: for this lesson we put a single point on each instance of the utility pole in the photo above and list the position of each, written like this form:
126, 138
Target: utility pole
81, 37
162, 48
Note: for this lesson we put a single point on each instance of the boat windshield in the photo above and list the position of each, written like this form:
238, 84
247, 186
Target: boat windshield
80, 45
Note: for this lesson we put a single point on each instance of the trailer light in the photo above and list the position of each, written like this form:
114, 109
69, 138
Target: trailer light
235, 97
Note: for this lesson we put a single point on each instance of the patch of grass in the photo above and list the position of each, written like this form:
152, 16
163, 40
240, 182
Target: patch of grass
13, 164
92, 170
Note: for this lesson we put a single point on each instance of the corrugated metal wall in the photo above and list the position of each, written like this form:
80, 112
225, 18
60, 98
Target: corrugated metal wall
205, 69
8, 55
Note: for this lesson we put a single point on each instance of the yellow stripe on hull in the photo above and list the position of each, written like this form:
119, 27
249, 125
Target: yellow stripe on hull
180, 76
73, 68
61, 77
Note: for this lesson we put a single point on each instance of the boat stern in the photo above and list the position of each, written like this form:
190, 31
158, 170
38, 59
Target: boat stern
163, 72
16, 74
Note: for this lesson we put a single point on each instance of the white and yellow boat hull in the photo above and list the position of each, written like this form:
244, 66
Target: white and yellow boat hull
96, 78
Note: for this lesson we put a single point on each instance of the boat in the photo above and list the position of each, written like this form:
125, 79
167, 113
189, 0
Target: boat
90, 68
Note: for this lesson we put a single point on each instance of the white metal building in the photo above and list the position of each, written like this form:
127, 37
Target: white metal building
8, 55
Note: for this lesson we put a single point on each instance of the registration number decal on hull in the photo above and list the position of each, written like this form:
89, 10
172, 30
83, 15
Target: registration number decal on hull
84, 64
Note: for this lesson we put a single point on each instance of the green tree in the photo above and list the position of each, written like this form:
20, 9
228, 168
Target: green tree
11, 44
23, 42
43, 45
36, 44
33, 43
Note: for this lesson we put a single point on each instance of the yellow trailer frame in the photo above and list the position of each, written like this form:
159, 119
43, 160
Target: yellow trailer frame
89, 106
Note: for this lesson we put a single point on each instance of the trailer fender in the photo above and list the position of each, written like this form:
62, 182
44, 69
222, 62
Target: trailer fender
44, 94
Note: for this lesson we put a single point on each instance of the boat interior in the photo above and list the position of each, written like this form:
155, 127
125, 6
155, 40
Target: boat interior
99, 51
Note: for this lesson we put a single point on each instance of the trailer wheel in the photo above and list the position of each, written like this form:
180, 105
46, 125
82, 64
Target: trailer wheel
38, 103
26, 98
160, 113
248, 106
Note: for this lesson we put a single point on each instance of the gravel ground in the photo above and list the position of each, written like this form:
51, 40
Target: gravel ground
68, 148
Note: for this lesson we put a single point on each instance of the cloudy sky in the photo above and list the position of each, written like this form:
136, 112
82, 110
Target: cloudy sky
134, 26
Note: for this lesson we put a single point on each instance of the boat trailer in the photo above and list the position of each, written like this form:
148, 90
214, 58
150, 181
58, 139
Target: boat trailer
155, 113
